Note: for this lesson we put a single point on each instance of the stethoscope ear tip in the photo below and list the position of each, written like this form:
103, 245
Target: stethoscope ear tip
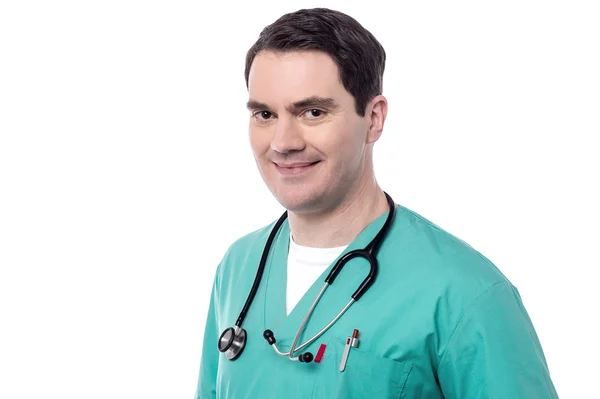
269, 336
306, 357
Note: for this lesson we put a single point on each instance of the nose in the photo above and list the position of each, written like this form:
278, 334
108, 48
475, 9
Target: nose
288, 137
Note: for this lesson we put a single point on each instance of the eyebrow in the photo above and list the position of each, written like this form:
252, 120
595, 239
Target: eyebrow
309, 102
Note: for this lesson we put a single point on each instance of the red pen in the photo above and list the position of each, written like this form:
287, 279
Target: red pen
355, 341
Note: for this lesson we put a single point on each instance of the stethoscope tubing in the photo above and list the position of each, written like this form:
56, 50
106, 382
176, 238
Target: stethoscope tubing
233, 340
261, 269
367, 253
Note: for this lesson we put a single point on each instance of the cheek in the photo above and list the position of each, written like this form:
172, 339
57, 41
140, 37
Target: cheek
343, 145
258, 142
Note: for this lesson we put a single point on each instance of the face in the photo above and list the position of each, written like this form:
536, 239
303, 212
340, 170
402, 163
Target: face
311, 147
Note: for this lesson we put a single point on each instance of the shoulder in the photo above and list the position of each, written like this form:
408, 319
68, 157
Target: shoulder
258, 236
443, 275
444, 261
245, 250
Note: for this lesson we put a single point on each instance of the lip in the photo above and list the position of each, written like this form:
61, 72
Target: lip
295, 169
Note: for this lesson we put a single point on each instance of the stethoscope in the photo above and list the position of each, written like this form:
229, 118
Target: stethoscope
233, 340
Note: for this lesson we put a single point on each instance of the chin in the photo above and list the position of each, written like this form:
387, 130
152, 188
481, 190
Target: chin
298, 200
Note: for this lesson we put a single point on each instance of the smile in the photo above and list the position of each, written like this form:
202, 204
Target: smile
295, 169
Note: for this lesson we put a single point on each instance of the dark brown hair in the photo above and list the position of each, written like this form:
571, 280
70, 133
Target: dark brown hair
359, 56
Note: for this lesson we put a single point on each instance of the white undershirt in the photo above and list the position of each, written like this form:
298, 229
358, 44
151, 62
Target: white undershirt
304, 266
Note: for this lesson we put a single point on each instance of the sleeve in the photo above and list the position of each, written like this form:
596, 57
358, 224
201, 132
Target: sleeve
209, 362
494, 351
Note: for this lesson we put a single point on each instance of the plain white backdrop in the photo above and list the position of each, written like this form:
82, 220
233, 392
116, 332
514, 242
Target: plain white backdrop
126, 172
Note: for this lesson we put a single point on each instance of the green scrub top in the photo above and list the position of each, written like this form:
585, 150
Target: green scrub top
440, 321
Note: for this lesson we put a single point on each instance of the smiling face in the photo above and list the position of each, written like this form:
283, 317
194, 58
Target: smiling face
311, 147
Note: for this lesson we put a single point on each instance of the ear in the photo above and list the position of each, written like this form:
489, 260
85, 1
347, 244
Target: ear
376, 112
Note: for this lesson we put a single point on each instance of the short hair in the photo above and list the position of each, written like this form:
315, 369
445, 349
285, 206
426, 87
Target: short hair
357, 53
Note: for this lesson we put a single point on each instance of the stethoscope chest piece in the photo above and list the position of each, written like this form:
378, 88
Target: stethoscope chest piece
232, 342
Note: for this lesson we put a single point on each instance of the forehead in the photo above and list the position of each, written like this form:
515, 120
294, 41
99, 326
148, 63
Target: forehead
287, 76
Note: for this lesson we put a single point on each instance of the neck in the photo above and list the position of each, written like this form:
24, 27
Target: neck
339, 226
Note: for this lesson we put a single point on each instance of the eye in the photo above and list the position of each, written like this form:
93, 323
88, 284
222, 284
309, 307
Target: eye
314, 113
262, 115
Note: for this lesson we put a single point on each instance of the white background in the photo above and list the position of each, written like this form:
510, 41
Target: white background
125, 173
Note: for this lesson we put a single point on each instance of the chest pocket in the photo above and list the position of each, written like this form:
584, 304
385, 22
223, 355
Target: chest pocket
366, 375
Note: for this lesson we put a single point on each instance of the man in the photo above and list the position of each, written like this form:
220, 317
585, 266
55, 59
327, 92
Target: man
438, 321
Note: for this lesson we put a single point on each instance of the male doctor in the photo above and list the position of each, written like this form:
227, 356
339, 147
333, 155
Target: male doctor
439, 321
